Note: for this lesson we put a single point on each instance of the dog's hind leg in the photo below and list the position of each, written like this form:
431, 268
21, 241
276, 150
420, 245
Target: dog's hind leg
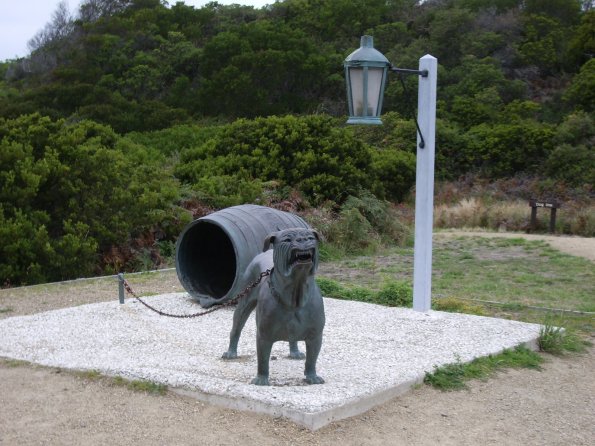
240, 316
312, 351
294, 351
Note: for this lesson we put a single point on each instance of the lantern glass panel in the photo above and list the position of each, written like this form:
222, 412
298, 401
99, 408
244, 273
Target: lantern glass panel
374, 87
356, 79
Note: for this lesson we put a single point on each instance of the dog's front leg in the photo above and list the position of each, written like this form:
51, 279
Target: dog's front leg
312, 350
263, 353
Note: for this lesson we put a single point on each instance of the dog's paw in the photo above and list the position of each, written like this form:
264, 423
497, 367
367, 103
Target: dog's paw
261, 380
297, 355
314, 379
229, 355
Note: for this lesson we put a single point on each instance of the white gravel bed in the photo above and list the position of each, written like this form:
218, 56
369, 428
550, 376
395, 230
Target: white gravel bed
369, 354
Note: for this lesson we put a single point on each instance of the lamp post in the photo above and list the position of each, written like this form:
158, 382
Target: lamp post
366, 72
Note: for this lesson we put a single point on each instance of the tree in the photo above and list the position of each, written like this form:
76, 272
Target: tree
59, 28
581, 91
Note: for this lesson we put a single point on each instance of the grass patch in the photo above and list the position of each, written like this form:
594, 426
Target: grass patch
557, 340
454, 305
6, 310
141, 386
14, 363
513, 306
455, 376
513, 271
90, 375
392, 294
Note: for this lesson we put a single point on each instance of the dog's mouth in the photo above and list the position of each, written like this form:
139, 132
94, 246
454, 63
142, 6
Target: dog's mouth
301, 256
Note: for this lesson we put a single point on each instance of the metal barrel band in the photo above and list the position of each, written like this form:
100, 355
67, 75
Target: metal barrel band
229, 303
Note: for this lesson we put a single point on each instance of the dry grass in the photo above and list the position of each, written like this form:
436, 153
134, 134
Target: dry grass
513, 215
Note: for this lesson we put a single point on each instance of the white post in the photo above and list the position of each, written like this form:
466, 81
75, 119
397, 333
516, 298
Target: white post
424, 186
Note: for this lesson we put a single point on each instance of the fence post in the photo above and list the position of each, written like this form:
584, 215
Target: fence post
553, 220
121, 287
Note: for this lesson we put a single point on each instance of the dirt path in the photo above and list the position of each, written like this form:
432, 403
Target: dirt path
555, 406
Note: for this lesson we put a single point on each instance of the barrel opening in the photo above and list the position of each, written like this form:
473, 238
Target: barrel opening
207, 260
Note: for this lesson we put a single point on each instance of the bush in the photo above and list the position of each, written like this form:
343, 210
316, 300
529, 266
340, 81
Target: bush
394, 171
581, 91
395, 294
392, 294
311, 154
353, 232
502, 150
573, 164
222, 191
71, 193
362, 224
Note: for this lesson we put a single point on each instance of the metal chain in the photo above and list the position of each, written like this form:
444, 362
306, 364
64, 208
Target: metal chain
229, 303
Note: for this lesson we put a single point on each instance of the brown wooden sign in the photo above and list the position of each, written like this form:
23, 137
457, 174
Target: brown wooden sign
553, 205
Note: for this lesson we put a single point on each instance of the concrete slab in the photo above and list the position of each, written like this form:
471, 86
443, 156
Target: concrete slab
370, 353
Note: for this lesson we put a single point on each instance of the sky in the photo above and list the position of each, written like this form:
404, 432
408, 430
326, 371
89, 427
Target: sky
20, 20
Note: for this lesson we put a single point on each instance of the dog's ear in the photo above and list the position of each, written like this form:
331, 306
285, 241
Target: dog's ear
267, 241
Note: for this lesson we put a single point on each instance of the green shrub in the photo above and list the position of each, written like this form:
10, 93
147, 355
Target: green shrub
381, 215
395, 294
499, 150
220, 191
312, 154
581, 91
353, 233
394, 171
328, 287
392, 294
573, 164
175, 139
72, 193
363, 224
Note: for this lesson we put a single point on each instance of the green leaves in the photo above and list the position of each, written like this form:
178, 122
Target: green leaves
309, 153
70, 192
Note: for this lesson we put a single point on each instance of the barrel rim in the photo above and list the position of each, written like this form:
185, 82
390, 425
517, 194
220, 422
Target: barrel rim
219, 218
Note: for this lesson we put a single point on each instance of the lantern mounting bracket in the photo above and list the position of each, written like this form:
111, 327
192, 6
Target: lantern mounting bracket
422, 73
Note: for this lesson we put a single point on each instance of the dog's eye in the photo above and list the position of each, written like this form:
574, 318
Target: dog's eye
286, 240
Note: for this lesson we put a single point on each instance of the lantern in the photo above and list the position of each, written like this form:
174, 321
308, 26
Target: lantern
365, 73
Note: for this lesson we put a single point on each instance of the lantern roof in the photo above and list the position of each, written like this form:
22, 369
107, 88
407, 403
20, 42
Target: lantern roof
366, 54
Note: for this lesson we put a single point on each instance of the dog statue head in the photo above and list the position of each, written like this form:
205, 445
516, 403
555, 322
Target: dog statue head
295, 251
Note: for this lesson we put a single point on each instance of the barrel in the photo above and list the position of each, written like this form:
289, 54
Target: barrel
213, 251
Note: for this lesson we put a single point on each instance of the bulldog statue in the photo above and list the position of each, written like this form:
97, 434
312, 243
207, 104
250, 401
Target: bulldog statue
289, 305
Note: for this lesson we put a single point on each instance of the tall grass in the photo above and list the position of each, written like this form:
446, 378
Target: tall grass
474, 202
514, 215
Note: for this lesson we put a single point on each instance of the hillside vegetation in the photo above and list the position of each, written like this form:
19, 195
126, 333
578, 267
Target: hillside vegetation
131, 117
